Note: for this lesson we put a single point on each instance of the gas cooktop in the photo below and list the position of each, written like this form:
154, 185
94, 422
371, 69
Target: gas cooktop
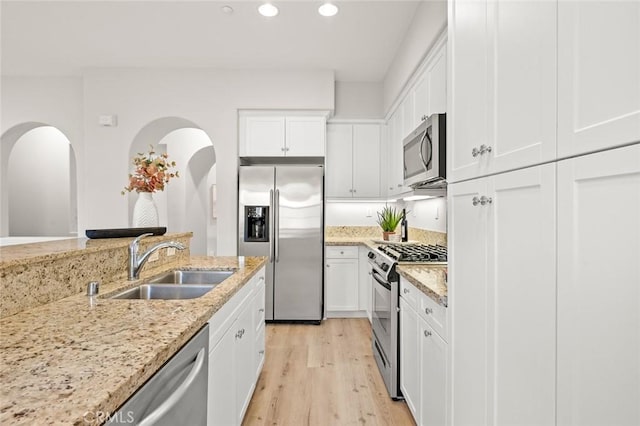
410, 253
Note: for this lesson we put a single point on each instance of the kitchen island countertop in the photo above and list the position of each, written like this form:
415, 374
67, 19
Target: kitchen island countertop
79, 358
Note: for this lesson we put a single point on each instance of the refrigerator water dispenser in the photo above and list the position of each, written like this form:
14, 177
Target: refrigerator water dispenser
256, 227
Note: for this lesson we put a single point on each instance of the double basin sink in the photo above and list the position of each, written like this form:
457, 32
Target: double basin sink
179, 284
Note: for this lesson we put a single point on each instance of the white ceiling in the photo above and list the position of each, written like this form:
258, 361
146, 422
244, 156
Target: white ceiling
63, 38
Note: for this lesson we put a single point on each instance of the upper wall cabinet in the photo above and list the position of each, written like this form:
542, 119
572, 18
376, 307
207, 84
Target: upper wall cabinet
265, 134
502, 87
353, 161
598, 75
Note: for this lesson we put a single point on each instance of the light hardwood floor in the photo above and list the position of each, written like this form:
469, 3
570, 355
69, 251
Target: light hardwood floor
322, 376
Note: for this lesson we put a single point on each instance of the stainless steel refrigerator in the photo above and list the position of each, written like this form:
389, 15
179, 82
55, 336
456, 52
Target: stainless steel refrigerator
281, 216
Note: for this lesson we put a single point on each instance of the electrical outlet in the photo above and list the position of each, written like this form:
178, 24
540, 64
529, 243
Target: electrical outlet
171, 251
155, 256
369, 213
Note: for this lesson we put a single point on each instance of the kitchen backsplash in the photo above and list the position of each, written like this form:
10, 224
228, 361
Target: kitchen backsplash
374, 232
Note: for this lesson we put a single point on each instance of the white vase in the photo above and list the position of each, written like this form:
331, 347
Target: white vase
145, 212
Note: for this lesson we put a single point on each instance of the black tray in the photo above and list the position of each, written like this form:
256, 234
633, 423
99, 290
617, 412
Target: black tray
124, 232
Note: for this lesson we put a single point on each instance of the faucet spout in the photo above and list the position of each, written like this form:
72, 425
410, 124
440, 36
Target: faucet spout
136, 262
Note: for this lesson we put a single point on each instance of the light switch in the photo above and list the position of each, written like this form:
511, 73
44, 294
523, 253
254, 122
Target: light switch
108, 120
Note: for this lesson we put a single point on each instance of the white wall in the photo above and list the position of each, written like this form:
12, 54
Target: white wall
429, 21
359, 100
430, 214
208, 98
38, 178
53, 101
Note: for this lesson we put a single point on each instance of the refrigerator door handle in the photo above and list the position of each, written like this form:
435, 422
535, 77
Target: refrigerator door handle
271, 219
277, 224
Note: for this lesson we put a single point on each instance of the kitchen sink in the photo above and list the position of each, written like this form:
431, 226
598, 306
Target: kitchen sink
178, 284
191, 277
165, 291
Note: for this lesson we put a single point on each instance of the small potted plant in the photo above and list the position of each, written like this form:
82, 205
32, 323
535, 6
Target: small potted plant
388, 219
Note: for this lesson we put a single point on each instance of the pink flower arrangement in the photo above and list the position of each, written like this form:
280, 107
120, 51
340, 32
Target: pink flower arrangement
151, 173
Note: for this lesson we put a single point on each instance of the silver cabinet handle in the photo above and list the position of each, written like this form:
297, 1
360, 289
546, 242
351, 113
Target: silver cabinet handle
178, 394
261, 310
405, 291
283, 149
428, 311
423, 118
475, 201
391, 188
399, 185
354, 190
485, 149
328, 266
261, 352
475, 152
427, 333
485, 200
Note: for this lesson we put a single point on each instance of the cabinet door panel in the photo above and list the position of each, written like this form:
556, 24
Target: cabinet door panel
341, 289
410, 358
468, 303
433, 386
598, 83
467, 120
244, 358
305, 136
339, 161
436, 77
598, 291
522, 297
264, 136
421, 99
366, 164
522, 86
221, 406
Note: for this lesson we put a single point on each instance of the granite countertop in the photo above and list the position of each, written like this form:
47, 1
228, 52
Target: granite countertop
430, 279
63, 362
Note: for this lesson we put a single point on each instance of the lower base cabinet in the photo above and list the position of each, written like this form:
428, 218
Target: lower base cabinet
347, 280
236, 354
423, 358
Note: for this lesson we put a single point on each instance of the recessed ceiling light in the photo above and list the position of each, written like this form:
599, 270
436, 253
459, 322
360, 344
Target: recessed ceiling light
227, 9
268, 10
328, 9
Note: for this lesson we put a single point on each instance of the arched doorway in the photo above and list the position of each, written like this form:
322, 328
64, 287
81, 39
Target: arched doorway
186, 203
38, 183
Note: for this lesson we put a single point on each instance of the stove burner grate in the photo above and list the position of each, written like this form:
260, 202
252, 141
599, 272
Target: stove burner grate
415, 252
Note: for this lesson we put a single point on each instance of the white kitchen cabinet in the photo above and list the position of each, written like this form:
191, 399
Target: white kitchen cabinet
364, 282
598, 288
235, 360
395, 175
502, 298
353, 161
598, 75
263, 134
430, 89
502, 113
341, 281
423, 358
410, 357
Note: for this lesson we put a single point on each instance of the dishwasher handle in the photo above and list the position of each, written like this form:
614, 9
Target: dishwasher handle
177, 395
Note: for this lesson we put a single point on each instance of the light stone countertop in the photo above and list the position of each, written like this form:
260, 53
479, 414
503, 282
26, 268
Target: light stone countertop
430, 279
63, 362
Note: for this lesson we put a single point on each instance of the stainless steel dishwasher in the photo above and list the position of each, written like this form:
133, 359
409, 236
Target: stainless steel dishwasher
176, 394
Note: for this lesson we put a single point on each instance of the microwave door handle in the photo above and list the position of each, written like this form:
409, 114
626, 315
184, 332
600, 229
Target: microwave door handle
426, 135
424, 163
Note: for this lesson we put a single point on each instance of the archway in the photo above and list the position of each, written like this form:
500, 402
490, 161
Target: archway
185, 205
38, 183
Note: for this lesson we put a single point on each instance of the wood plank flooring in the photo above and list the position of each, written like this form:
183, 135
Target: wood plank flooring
322, 376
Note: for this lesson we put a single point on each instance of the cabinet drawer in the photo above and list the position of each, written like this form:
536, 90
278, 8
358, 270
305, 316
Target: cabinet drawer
342, 252
259, 347
410, 294
434, 314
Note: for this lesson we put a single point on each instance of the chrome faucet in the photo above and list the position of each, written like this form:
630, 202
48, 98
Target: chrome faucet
137, 262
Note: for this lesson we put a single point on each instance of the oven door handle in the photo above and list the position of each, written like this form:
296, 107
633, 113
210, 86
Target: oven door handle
381, 281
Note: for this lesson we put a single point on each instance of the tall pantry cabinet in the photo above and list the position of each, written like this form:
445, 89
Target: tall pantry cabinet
544, 208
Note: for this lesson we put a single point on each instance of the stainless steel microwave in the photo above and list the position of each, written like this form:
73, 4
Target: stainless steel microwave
425, 153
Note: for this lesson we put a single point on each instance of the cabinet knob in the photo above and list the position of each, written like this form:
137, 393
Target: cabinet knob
475, 152
405, 290
427, 333
354, 190
485, 200
328, 266
399, 185
428, 311
261, 310
423, 118
391, 188
283, 149
475, 201
485, 149
341, 252
261, 352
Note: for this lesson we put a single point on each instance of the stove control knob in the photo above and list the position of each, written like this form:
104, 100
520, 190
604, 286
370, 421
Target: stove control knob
384, 267
371, 255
